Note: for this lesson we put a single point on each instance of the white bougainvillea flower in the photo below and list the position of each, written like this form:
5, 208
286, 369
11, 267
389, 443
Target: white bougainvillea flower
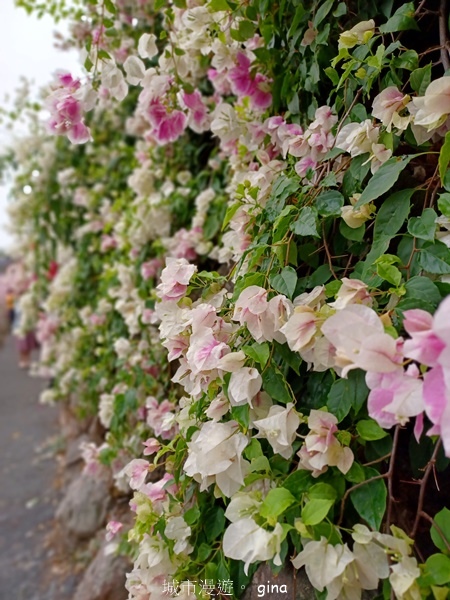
244, 385
358, 335
215, 455
147, 45
357, 138
135, 70
243, 505
300, 328
245, 540
323, 562
178, 530
355, 217
434, 107
352, 291
279, 428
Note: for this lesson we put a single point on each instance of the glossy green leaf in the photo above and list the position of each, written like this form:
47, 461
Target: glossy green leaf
315, 511
420, 79
329, 203
275, 385
259, 352
444, 202
423, 227
370, 430
402, 20
384, 179
369, 500
437, 569
306, 224
392, 214
285, 282
442, 520
276, 502
435, 259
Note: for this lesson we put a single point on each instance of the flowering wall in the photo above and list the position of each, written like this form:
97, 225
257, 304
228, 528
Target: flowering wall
238, 233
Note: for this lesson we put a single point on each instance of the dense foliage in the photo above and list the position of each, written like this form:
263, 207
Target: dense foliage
238, 232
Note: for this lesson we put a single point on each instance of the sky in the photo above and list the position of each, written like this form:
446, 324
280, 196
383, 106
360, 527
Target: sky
26, 49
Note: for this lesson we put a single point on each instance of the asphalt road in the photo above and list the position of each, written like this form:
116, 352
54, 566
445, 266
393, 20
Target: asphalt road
29, 438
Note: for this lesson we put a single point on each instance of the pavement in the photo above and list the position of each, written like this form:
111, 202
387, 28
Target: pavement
29, 442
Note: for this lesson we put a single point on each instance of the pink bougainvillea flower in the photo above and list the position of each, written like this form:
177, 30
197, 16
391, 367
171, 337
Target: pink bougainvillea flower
321, 448
436, 394
424, 346
387, 105
395, 397
151, 446
175, 278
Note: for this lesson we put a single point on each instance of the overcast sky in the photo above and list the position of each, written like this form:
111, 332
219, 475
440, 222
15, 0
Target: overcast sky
26, 49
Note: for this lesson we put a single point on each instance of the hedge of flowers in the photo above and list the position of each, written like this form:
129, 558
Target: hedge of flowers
238, 233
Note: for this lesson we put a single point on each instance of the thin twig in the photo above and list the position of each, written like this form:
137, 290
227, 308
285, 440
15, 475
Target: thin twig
390, 478
423, 486
327, 251
443, 34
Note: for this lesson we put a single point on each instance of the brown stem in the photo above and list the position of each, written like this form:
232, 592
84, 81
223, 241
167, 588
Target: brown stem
390, 478
443, 34
423, 485
327, 251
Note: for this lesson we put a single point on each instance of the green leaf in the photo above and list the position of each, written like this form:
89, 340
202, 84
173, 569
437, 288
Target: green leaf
306, 222
315, 511
276, 502
392, 214
423, 227
351, 391
322, 12
281, 190
369, 500
355, 234
442, 520
329, 203
444, 157
384, 179
298, 482
420, 79
322, 491
275, 385
192, 515
285, 282
217, 5
401, 20
214, 522
444, 203
241, 414
435, 259
370, 430
109, 5
437, 569
355, 474
259, 352
389, 273
422, 288
339, 402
